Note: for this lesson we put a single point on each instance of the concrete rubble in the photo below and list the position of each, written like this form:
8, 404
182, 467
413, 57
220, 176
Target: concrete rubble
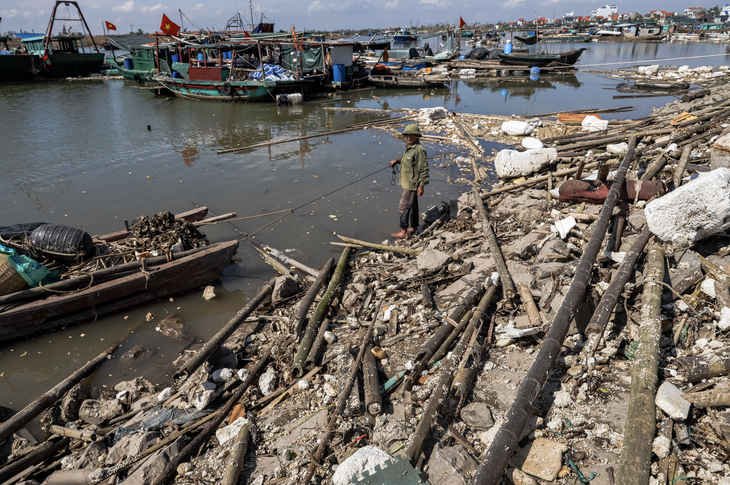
579, 419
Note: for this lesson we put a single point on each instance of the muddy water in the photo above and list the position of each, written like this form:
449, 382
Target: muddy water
90, 154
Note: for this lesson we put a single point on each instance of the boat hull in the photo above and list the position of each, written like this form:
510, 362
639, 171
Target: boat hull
64, 65
234, 91
527, 60
18, 69
178, 276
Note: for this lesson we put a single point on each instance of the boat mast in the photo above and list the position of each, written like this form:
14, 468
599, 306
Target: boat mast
81, 19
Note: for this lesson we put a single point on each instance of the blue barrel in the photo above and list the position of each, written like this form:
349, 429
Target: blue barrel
462, 57
128, 63
175, 58
201, 56
534, 70
176, 75
339, 73
534, 77
508, 47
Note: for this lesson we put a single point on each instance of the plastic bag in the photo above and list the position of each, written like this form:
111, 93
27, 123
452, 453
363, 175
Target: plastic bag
31, 270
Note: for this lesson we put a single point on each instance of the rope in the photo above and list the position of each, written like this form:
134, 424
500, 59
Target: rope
61, 292
653, 60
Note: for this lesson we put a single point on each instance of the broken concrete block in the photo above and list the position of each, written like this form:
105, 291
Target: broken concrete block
524, 247
531, 143
267, 381
543, 458
669, 399
146, 472
694, 211
618, 148
432, 260
363, 460
477, 415
427, 115
511, 163
97, 411
519, 477
71, 402
284, 287
554, 251
720, 153
231, 431
450, 465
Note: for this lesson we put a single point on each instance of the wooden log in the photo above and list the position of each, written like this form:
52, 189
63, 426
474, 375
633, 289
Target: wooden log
341, 400
595, 328
235, 461
504, 444
536, 180
611, 139
528, 303
427, 298
322, 308
373, 399
595, 191
654, 167
418, 439
708, 399
682, 165
508, 286
212, 345
86, 434
634, 465
214, 220
278, 267
393, 323
424, 355
701, 93
308, 299
215, 420
381, 247
698, 368
286, 259
38, 454
39, 405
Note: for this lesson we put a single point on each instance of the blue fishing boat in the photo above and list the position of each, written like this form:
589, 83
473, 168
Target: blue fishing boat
405, 36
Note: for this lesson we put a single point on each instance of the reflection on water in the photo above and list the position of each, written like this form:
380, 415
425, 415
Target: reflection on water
80, 153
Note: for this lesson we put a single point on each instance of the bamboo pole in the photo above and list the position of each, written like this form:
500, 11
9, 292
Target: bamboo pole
278, 267
508, 286
318, 345
382, 247
171, 468
682, 165
218, 339
324, 304
308, 299
373, 399
341, 400
287, 260
444, 349
504, 445
595, 328
634, 465
528, 303
235, 462
39, 453
33, 409
418, 439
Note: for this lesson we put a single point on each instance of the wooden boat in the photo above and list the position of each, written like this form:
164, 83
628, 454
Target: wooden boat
408, 81
16, 68
22, 315
567, 58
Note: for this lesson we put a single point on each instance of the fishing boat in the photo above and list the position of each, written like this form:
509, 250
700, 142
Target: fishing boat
141, 65
231, 77
115, 288
63, 55
405, 36
567, 58
17, 67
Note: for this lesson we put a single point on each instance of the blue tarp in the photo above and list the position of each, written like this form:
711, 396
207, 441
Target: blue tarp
32, 36
273, 73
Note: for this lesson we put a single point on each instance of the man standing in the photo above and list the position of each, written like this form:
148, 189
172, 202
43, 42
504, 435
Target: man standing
413, 177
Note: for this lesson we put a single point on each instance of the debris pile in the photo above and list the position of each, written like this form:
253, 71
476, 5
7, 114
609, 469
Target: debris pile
568, 325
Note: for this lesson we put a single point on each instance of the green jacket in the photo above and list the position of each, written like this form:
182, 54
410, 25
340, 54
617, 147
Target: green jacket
414, 167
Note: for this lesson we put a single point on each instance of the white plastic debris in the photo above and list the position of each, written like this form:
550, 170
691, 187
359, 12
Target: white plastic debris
363, 460
593, 123
648, 70
617, 148
692, 212
467, 73
202, 400
165, 394
519, 128
427, 115
242, 374
708, 287
511, 163
330, 337
564, 226
724, 322
303, 384
616, 256
209, 293
531, 143
669, 399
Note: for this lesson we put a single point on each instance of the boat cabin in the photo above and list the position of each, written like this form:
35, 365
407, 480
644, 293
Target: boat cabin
59, 44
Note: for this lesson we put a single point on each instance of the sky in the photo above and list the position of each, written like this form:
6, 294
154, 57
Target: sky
33, 15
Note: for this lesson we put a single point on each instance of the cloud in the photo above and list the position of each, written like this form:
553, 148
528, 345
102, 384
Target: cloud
8, 14
315, 6
126, 7
341, 7
513, 3
94, 6
150, 9
198, 6
435, 4
28, 15
392, 5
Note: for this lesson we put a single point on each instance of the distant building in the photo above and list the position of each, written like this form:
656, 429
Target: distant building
605, 12
694, 12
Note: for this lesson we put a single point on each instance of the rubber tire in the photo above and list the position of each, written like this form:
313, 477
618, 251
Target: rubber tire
227, 89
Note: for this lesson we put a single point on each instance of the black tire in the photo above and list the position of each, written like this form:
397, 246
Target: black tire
137, 77
227, 89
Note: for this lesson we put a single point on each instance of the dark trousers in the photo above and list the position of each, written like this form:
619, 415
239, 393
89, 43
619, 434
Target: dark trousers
408, 209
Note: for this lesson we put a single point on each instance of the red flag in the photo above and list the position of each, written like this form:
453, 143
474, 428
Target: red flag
110, 26
461, 22
246, 34
168, 26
